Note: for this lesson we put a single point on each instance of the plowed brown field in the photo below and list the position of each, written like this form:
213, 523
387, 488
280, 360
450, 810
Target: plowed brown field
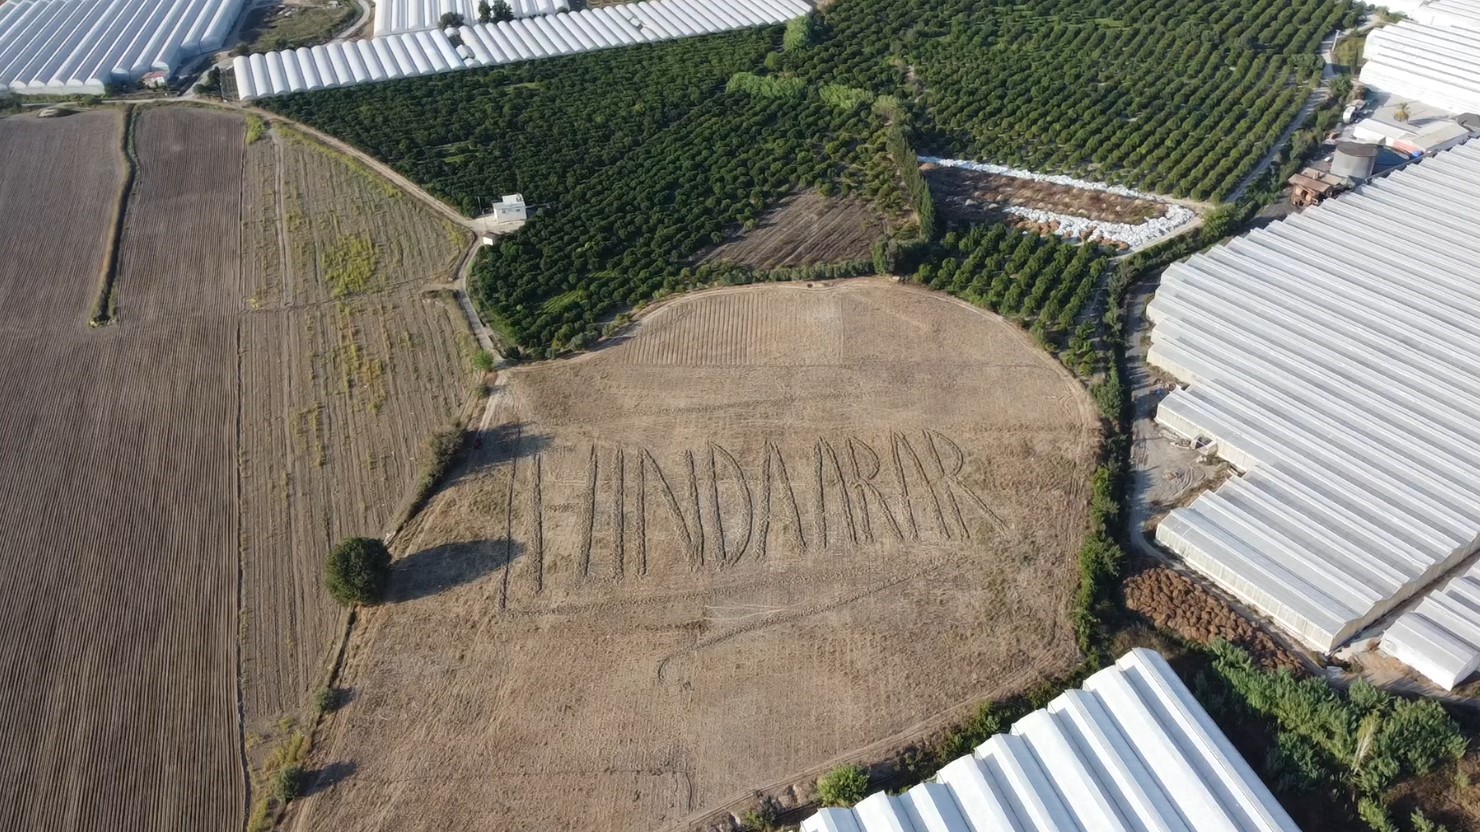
806, 229
131, 516
775, 526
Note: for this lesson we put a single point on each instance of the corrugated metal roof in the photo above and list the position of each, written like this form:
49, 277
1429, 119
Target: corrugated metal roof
415, 53
1438, 64
1440, 638
1131, 750
1335, 357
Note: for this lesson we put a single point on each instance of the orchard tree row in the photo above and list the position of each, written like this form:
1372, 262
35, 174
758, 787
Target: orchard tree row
633, 160
1174, 96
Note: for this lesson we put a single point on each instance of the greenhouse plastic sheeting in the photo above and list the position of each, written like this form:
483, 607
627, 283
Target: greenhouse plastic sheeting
1335, 357
1438, 64
416, 53
78, 47
1130, 751
396, 16
1440, 637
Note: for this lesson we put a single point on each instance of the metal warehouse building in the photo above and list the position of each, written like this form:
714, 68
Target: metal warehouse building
427, 52
76, 47
1335, 358
1437, 64
1130, 751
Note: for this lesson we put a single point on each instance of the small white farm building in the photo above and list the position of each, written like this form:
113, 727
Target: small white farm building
1334, 358
78, 47
1130, 751
509, 209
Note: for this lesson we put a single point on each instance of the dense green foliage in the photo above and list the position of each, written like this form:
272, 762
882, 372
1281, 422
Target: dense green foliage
843, 786
356, 571
1359, 742
635, 159
1170, 95
1044, 282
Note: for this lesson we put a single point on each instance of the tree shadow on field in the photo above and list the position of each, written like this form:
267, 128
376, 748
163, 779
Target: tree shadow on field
486, 449
328, 777
440, 568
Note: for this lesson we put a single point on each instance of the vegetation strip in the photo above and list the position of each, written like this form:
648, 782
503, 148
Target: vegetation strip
105, 308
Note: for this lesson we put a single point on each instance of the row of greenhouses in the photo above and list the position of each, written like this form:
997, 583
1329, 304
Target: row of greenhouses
1334, 359
396, 16
81, 47
1131, 750
427, 52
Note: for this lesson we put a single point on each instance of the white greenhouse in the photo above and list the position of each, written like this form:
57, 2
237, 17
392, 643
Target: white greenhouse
1462, 13
1440, 637
1130, 751
416, 53
396, 16
1437, 64
77, 47
1334, 357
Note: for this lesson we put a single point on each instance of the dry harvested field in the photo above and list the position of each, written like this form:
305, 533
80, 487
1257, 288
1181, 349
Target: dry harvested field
806, 229
776, 527
976, 196
136, 516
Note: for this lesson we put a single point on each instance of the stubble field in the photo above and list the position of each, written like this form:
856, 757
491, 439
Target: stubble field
773, 528
152, 506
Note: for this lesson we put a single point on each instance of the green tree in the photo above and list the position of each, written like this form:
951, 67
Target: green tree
502, 12
451, 20
356, 571
843, 786
485, 12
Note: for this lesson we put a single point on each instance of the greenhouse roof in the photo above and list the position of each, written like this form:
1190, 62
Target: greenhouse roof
346, 63
1130, 751
1437, 64
1335, 357
1440, 638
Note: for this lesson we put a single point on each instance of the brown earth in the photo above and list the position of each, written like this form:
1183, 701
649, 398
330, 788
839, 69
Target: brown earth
771, 528
803, 230
975, 196
149, 476
1178, 603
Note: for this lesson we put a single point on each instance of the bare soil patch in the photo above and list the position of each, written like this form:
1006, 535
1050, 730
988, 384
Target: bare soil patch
118, 562
806, 229
1178, 603
775, 526
203, 449
976, 196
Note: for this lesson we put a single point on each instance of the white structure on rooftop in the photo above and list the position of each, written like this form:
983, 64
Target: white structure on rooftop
396, 16
1335, 358
427, 52
1440, 638
1131, 751
1437, 64
77, 47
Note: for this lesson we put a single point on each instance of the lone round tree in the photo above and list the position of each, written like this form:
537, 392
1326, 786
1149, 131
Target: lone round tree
356, 571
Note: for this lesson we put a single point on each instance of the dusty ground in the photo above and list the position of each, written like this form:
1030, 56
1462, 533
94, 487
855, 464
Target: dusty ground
975, 196
347, 369
805, 229
776, 525
117, 529
200, 450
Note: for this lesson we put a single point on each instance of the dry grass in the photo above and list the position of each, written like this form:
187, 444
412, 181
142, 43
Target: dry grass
776, 526
235, 419
804, 230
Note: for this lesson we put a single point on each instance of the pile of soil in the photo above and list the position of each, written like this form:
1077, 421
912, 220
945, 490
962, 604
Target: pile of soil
1174, 601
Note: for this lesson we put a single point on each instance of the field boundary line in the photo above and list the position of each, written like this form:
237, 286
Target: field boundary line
104, 306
